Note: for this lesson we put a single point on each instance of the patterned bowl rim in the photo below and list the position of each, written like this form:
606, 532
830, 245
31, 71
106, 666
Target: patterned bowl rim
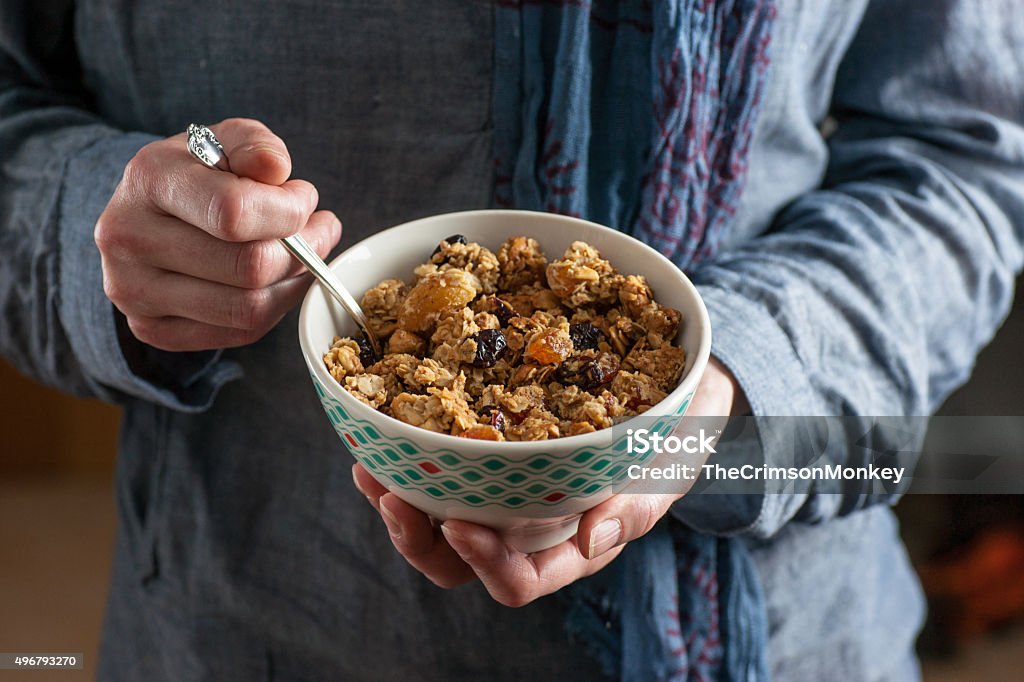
313, 356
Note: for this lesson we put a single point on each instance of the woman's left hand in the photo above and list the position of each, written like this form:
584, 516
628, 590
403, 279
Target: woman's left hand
458, 552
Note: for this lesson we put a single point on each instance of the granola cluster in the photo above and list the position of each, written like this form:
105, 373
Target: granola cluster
510, 346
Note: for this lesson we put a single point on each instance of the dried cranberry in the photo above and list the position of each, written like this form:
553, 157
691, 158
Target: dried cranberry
518, 417
635, 403
366, 354
454, 239
490, 346
585, 336
494, 416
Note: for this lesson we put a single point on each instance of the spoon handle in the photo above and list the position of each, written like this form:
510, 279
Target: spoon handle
301, 249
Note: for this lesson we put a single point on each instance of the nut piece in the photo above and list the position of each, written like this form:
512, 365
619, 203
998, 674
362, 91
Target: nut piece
368, 388
403, 341
435, 294
343, 358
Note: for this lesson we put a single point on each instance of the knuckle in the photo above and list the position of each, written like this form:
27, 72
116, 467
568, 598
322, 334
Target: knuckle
138, 170
250, 310
113, 235
144, 329
297, 214
445, 582
254, 263
249, 336
113, 289
333, 234
103, 233
225, 213
648, 513
248, 125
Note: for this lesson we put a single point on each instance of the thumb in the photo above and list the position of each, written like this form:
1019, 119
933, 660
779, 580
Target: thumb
620, 519
253, 151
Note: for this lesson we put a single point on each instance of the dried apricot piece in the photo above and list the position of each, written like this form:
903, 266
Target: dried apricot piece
436, 293
482, 432
549, 347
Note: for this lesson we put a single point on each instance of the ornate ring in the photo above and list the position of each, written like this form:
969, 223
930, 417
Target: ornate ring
204, 145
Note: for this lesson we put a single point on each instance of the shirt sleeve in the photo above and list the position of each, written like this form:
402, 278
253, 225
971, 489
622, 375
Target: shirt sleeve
59, 165
873, 294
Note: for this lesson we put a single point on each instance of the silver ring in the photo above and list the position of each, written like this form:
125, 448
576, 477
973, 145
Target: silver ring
204, 146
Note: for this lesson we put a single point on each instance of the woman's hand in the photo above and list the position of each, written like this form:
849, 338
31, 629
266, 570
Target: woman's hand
458, 551
190, 255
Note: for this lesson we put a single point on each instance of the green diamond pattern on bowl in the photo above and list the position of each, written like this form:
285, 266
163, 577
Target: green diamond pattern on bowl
542, 479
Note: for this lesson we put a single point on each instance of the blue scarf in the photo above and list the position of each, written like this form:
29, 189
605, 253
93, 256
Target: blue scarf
638, 114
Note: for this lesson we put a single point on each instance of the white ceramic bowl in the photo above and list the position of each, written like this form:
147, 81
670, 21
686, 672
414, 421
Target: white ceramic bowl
533, 492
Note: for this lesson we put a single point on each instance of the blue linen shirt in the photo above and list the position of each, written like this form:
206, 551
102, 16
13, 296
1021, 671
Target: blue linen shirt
863, 273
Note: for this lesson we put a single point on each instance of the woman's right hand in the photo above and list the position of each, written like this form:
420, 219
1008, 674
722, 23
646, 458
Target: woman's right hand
191, 255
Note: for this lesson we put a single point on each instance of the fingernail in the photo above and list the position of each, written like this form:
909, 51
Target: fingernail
391, 521
604, 536
458, 541
355, 482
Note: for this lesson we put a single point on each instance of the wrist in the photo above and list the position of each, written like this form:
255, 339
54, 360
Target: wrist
720, 383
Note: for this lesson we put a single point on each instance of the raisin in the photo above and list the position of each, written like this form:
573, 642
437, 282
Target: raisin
454, 239
589, 371
585, 336
366, 354
490, 347
500, 309
549, 347
600, 372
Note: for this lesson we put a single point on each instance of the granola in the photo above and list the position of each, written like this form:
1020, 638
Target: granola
510, 346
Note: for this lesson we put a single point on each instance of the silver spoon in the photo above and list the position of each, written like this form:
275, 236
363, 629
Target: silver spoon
204, 146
